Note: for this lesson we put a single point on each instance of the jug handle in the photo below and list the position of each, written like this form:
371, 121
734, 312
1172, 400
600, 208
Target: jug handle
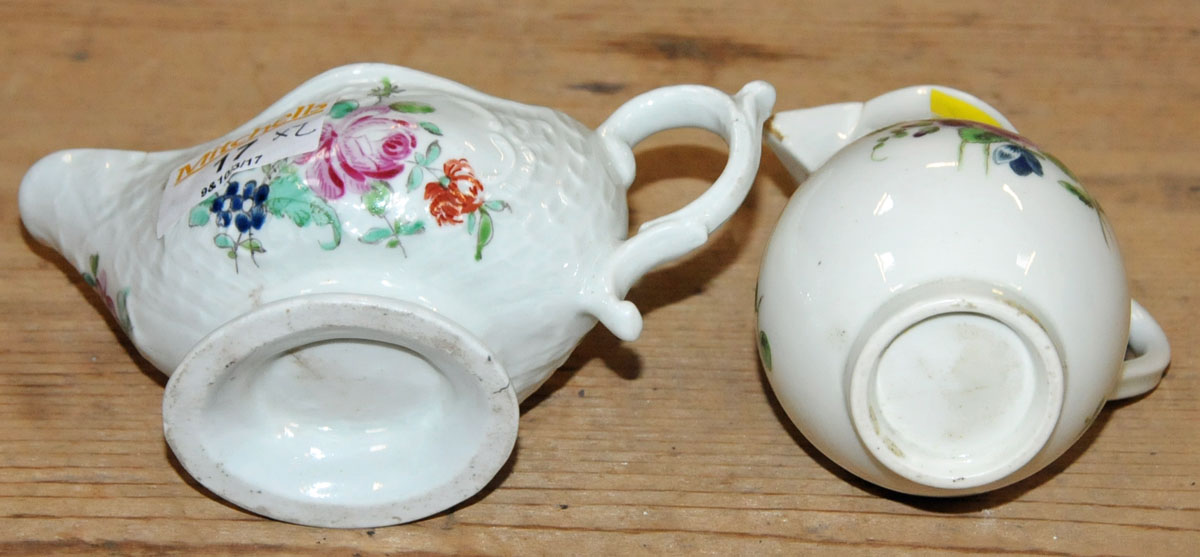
738, 119
1152, 354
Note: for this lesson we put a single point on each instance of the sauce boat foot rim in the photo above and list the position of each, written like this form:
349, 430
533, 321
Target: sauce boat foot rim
341, 410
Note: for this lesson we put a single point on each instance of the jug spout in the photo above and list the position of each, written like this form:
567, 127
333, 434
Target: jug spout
805, 139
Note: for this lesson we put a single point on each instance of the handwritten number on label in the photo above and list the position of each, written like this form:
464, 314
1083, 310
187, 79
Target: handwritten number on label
221, 163
242, 150
233, 169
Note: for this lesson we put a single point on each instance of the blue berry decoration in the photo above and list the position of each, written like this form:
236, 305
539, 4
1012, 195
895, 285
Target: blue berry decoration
243, 206
244, 209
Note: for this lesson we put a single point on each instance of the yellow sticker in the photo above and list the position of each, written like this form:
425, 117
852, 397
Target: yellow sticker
946, 106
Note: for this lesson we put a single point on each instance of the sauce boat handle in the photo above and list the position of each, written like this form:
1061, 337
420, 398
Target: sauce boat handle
738, 119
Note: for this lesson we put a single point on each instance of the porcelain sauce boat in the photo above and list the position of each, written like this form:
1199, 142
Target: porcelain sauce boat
353, 291
943, 308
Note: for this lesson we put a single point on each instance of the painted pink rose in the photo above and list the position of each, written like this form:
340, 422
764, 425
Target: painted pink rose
367, 144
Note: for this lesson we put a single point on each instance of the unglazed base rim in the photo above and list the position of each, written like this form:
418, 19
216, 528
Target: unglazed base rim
313, 318
909, 310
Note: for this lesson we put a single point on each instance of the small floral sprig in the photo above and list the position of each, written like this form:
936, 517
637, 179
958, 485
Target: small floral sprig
1011, 149
422, 163
924, 127
1000, 147
377, 202
457, 193
385, 90
248, 208
244, 208
96, 278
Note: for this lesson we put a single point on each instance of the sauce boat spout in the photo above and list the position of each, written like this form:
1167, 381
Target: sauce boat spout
65, 195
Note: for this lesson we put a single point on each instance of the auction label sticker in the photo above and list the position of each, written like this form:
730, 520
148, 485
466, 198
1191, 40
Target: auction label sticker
294, 133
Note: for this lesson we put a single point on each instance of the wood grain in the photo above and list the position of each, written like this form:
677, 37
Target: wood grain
670, 444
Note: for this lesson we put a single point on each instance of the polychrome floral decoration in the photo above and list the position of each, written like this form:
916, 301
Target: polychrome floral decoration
1000, 147
363, 151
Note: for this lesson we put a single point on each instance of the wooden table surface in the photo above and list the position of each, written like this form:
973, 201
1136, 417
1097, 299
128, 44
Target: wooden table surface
670, 444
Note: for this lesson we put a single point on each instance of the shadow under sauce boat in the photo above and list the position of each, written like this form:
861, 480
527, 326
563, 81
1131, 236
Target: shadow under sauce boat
352, 291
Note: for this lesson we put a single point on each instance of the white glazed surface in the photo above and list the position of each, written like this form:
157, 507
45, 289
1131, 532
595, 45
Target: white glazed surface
554, 260
918, 217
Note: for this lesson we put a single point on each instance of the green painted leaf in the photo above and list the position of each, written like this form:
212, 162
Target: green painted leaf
300, 213
420, 158
410, 228
385, 89
393, 242
342, 108
496, 205
485, 234
290, 197
123, 310
375, 235
878, 144
378, 198
431, 128
411, 107
90, 279
201, 213
471, 223
224, 241
444, 181
764, 348
232, 254
432, 152
977, 135
414, 178
1078, 191
94, 264
254, 245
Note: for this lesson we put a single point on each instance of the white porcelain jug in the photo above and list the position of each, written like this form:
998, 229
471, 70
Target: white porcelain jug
352, 291
942, 307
